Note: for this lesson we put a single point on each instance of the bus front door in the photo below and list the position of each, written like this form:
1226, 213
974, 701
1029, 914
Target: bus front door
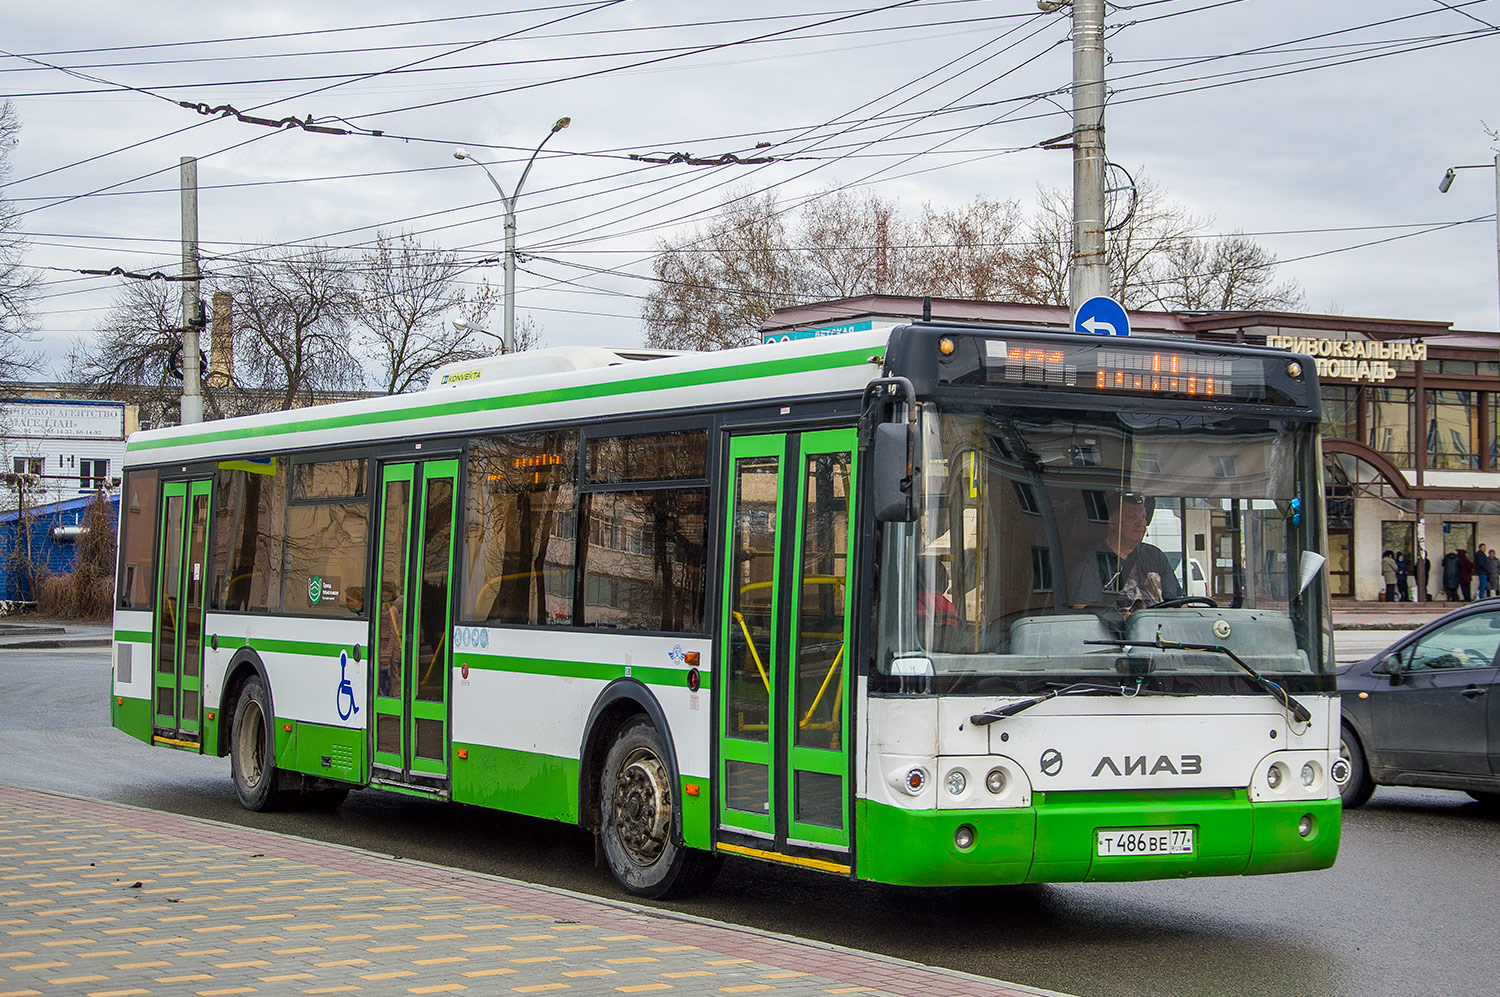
411, 654
181, 581
784, 678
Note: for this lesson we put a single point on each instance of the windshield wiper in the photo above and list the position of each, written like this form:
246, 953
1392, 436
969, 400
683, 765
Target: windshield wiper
1076, 689
1270, 688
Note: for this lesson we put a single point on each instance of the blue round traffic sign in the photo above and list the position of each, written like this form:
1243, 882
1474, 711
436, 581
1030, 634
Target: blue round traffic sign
1101, 316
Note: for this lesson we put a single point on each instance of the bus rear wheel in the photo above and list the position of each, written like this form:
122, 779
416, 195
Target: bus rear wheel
638, 810
252, 753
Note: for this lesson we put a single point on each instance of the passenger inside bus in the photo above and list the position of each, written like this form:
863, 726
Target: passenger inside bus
1119, 567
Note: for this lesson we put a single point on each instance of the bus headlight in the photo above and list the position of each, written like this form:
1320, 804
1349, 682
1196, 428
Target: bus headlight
995, 781
1309, 774
1274, 774
956, 782
1339, 770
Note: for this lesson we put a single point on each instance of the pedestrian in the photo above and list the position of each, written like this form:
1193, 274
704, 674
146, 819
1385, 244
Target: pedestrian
1450, 575
1465, 575
1388, 575
1482, 571
1402, 595
1423, 571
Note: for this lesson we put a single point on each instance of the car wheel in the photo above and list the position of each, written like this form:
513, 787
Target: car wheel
637, 811
1357, 790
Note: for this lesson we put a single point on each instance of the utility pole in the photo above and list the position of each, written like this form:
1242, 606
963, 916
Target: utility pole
1089, 275
192, 307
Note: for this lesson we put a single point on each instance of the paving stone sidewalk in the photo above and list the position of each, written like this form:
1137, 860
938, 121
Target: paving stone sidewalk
107, 900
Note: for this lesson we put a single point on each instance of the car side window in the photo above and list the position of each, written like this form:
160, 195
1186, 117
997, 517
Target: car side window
1467, 643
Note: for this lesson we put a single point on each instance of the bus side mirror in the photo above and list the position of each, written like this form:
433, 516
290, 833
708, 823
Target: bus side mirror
891, 473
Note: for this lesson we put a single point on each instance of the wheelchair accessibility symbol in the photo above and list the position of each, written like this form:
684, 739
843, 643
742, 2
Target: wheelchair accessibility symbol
346, 690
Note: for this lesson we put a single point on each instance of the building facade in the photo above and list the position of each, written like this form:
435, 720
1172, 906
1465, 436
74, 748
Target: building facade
1411, 417
56, 449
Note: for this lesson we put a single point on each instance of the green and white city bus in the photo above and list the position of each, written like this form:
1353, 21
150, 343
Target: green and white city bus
864, 604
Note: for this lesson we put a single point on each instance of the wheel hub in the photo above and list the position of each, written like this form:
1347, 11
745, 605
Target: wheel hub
642, 806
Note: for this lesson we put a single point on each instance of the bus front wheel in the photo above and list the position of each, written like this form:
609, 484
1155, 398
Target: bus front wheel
638, 809
252, 754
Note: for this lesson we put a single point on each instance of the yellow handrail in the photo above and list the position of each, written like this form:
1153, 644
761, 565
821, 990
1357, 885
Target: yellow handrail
824, 688
754, 654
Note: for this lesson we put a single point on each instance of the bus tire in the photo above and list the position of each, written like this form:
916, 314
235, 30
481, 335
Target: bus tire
638, 809
252, 750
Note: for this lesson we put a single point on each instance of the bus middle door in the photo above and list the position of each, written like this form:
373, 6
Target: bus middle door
784, 675
411, 655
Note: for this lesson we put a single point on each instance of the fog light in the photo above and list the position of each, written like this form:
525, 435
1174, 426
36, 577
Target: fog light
915, 780
1305, 825
957, 782
1340, 771
963, 838
1273, 776
995, 781
1309, 774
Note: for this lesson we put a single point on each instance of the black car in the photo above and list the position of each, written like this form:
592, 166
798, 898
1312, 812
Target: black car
1426, 710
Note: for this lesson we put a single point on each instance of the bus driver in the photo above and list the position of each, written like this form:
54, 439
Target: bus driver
1132, 572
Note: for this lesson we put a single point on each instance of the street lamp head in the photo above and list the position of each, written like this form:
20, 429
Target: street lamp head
459, 325
460, 153
1446, 182
562, 123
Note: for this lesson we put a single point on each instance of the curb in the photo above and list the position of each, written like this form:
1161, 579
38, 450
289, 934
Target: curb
45, 643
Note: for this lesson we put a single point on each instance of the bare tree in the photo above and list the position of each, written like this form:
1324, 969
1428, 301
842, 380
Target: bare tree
1228, 273
407, 294
969, 251
1159, 258
715, 287
131, 355
294, 313
17, 281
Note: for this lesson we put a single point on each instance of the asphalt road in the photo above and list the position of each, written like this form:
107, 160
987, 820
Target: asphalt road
1412, 907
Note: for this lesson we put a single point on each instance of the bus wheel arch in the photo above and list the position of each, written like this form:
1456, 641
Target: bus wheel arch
621, 701
245, 664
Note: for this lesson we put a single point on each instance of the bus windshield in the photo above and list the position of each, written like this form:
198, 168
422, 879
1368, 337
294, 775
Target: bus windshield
1066, 546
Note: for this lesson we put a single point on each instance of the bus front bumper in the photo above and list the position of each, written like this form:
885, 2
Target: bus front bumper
1055, 840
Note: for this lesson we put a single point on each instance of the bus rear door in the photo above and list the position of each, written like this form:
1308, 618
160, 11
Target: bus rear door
181, 582
784, 675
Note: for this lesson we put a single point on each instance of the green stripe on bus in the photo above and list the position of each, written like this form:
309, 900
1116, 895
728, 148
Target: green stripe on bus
598, 671
311, 648
132, 637
660, 382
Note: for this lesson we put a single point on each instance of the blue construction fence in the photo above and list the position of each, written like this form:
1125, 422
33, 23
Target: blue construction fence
53, 530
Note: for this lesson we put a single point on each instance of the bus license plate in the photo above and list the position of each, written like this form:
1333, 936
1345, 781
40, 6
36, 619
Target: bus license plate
1146, 841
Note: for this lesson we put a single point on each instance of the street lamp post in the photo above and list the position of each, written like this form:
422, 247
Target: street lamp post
509, 200
1447, 182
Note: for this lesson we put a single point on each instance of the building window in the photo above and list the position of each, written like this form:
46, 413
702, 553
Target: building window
26, 465
93, 474
1389, 415
1340, 412
1453, 430
1041, 569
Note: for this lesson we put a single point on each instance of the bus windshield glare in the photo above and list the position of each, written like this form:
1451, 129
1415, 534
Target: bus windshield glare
1059, 546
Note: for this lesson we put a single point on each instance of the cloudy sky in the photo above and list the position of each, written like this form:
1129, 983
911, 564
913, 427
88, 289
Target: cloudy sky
1320, 128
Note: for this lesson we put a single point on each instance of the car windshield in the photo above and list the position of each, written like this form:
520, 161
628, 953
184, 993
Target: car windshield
1055, 546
